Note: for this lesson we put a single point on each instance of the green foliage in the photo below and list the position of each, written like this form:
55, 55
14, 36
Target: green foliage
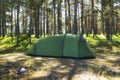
33, 39
23, 40
6, 44
101, 41
23, 43
6, 40
22, 37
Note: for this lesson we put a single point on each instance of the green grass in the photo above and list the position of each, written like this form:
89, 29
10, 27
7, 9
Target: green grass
101, 41
7, 45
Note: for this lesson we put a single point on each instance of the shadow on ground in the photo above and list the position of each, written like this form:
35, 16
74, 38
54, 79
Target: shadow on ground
106, 64
14, 48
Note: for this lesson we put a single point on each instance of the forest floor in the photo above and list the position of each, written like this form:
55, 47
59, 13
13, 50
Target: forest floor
15, 65
106, 66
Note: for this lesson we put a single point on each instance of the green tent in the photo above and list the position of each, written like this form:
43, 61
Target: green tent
65, 45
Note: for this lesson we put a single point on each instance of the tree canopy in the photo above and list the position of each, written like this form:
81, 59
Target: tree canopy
50, 17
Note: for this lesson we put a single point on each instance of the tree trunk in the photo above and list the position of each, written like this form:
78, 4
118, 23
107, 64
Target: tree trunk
36, 21
17, 24
30, 28
47, 20
11, 24
107, 24
102, 16
24, 21
40, 21
79, 18
3, 20
95, 25
66, 23
54, 15
0, 19
107, 19
59, 17
75, 17
0, 27
112, 18
44, 21
69, 17
86, 25
82, 17
89, 24
92, 17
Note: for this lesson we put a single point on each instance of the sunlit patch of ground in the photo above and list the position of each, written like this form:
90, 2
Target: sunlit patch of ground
88, 76
103, 67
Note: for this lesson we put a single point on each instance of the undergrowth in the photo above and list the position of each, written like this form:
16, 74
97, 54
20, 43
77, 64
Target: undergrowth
9, 45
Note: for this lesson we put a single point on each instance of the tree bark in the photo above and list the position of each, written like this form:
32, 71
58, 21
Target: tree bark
102, 16
59, 17
66, 23
11, 24
3, 20
69, 17
44, 12
75, 17
92, 18
37, 21
107, 19
82, 17
47, 20
0, 19
17, 24
54, 15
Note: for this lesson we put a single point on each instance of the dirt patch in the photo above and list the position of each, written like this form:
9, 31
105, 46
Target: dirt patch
47, 68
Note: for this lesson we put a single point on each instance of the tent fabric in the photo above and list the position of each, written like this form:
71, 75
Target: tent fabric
65, 45
71, 43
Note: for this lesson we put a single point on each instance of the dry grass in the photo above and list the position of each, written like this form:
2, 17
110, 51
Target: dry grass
106, 66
